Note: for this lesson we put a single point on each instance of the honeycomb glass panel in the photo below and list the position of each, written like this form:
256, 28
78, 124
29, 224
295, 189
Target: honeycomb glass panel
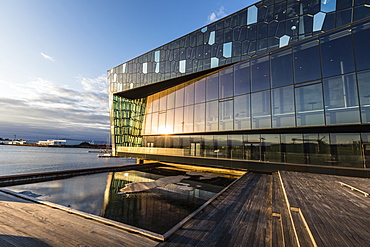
252, 15
318, 21
328, 5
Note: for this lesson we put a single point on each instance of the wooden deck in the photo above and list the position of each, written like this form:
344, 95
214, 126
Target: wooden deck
282, 209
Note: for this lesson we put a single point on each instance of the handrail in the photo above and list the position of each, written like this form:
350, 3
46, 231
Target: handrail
354, 188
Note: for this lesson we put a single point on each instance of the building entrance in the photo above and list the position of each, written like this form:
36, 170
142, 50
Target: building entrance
195, 148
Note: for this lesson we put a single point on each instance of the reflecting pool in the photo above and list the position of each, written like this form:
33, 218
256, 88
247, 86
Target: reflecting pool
156, 208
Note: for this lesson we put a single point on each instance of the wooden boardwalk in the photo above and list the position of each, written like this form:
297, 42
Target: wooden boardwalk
282, 209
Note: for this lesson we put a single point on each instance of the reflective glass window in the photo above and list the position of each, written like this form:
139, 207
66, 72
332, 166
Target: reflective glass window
227, 51
306, 61
242, 78
189, 93
149, 104
148, 124
261, 110
155, 102
188, 118
292, 148
317, 148
283, 112
162, 123
212, 116
169, 121
328, 5
214, 62
212, 87
199, 117
346, 150
154, 129
361, 12
226, 112
361, 34
226, 82
236, 143
200, 90
260, 73
271, 149
171, 98
179, 120
309, 105
364, 93
343, 17
242, 112
281, 68
318, 21
252, 15
341, 100
334, 62
163, 100
179, 95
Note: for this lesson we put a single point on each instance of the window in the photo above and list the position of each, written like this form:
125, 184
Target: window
226, 83
212, 116
226, 112
361, 36
309, 105
212, 87
364, 93
242, 112
188, 118
199, 117
241, 78
261, 112
200, 91
306, 61
334, 62
341, 100
283, 113
260, 73
281, 69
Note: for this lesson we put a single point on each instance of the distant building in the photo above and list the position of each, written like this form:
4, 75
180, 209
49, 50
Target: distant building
278, 84
65, 142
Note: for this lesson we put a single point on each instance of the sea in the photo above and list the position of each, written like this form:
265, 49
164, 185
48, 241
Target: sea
16, 160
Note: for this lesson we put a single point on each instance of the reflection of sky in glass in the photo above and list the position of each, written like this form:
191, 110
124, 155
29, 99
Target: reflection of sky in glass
328, 5
145, 68
227, 49
252, 15
284, 40
182, 66
156, 56
214, 62
211, 40
318, 21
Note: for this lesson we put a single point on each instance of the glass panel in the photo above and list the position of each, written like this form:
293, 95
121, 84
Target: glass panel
145, 68
364, 93
242, 78
211, 40
189, 93
212, 87
226, 83
344, 17
200, 91
242, 112
283, 112
157, 55
261, 110
236, 142
171, 98
309, 105
223, 150
292, 148
317, 149
214, 62
154, 129
346, 150
163, 100
260, 73
318, 21
271, 149
361, 36
334, 62
226, 115
182, 66
188, 118
281, 68
169, 121
162, 123
212, 116
149, 104
284, 41
306, 61
199, 117
155, 102
148, 124
328, 5
227, 50
179, 120
252, 15
341, 100
179, 95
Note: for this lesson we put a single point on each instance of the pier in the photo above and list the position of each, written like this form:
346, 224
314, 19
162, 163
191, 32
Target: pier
278, 209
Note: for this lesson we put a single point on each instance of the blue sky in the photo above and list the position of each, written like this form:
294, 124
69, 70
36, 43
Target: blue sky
55, 54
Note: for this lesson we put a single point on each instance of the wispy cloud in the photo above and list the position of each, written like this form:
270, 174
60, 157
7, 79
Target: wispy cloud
47, 57
216, 15
40, 107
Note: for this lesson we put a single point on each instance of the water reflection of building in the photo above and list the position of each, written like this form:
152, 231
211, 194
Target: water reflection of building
157, 209
285, 83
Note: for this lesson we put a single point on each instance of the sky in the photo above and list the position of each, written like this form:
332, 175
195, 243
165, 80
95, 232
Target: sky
54, 56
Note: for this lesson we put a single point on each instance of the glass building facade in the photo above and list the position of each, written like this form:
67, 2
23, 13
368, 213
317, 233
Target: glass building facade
279, 81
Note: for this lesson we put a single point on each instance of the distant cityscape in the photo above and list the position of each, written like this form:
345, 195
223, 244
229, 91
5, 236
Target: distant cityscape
54, 142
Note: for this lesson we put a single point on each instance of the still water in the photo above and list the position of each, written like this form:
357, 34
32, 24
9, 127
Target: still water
157, 209
16, 160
